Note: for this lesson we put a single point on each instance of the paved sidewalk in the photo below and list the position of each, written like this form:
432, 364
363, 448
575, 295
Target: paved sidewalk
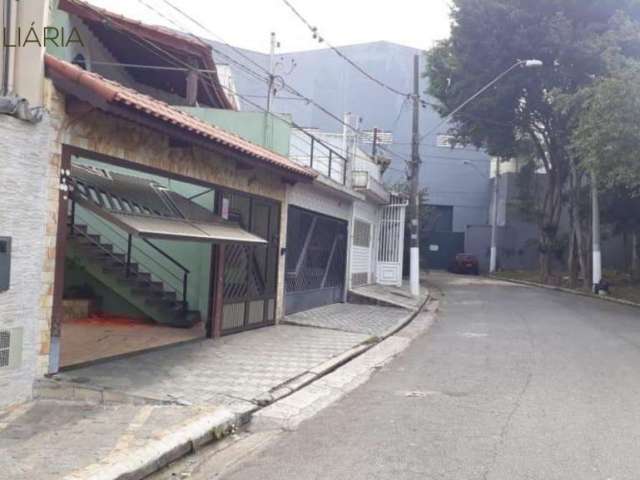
237, 370
368, 319
127, 411
54, 440
390, 295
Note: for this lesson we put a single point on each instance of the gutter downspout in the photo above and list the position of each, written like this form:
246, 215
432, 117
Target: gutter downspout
11, 104
6, 40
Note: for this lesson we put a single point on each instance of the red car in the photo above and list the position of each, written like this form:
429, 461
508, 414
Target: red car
465, 263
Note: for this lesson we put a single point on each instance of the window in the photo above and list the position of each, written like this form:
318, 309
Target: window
362, 234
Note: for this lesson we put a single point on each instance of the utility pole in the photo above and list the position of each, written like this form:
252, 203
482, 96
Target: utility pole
494, 224
374, 148
272, 75
272, 64
414, 182
595, 211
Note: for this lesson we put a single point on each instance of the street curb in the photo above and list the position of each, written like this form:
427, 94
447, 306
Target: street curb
160, 452
330, 387
567, 290
331, 365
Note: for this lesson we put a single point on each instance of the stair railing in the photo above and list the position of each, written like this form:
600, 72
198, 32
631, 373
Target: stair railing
184, 278
185, 270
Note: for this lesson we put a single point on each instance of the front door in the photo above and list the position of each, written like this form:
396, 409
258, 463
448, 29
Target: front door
250, 272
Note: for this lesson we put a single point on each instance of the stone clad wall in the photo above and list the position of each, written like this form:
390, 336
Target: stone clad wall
25, 150
124, 140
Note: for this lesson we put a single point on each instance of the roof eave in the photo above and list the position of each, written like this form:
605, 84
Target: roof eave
95, 93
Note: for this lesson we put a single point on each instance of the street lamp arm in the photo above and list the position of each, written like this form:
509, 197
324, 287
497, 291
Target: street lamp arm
447, 119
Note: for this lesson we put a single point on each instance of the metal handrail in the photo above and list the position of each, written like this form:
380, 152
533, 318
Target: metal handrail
127, 262
332, 153
138, 249
166, 255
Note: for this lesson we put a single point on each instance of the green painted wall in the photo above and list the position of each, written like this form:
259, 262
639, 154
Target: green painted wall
77, 278
259, 128
195, 256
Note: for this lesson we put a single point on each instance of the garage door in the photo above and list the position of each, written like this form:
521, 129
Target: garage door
316, 260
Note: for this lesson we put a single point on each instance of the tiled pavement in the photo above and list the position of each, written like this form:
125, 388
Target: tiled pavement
241, 367
49, 440
393, 295
367, 319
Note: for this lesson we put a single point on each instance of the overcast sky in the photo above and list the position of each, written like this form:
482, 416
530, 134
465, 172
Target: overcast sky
248, 23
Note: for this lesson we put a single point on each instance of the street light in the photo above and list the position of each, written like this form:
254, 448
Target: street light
531, 63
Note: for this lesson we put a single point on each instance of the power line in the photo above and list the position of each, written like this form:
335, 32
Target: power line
244, 67
316, 35
254, 75
248, 70
150, 45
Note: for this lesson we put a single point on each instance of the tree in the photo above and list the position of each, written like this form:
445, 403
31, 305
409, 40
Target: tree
607, 140
607, 136
519, 117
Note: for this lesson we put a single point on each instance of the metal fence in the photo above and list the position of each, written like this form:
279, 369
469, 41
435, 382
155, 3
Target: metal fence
310, 151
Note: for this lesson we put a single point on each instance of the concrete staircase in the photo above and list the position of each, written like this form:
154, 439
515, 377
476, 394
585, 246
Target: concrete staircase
154, 298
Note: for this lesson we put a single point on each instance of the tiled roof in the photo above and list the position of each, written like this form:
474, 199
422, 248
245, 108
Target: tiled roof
114, 93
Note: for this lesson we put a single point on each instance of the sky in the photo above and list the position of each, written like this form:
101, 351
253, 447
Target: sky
248, 23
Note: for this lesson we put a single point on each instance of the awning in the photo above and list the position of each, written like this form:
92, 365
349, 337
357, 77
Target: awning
176, 229
145, 209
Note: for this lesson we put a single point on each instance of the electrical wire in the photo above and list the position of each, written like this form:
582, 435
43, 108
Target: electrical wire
247, 70
314, 31
286, 87
157, 49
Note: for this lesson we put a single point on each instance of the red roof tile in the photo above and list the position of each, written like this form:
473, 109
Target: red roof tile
115, 93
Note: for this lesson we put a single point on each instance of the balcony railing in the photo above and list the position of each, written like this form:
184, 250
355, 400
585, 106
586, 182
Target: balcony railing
364, 182
310, 151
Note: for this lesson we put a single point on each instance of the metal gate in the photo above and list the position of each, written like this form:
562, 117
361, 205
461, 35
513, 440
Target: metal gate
316, 260
391, 242
250, 272
439, 249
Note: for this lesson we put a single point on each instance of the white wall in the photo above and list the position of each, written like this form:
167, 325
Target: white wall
24, 157
319, 200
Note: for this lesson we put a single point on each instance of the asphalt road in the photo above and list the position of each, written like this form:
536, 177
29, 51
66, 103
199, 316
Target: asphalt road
511, 383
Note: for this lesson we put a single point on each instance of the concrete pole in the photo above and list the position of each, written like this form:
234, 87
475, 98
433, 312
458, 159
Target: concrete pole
267, 135
595, 211
272, 54
415, 183
493, 262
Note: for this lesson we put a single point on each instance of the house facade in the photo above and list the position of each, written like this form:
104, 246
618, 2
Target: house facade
134, 215
140, 209
26, 145
345, 229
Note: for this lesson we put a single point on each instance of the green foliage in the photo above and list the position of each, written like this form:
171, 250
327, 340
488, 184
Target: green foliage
607, 136
427, 214
537, 115
572, 37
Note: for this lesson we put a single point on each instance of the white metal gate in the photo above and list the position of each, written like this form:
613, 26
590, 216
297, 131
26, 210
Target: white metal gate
391, 244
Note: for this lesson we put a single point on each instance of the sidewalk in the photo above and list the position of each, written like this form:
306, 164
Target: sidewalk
140, 412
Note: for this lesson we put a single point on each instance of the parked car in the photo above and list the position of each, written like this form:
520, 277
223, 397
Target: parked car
465, 263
